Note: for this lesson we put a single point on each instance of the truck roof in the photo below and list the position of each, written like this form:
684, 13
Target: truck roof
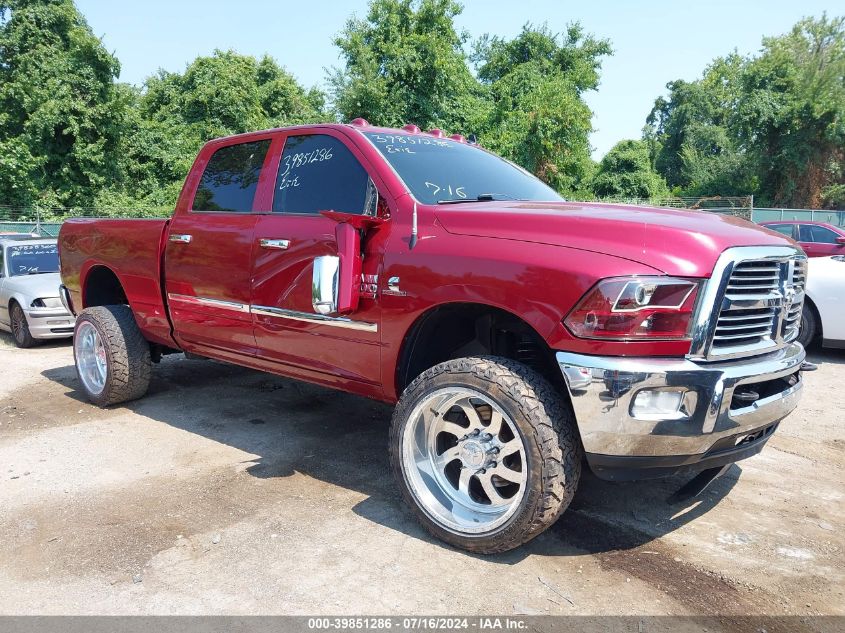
360, 125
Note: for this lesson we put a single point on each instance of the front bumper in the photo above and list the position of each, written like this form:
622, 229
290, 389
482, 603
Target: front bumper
47, 323
713, 426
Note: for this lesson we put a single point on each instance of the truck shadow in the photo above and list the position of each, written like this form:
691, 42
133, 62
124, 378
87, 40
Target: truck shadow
7, 342
291, 427
821, 356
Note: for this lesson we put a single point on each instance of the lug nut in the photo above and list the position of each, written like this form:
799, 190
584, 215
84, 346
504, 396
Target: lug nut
480, 471
487, 437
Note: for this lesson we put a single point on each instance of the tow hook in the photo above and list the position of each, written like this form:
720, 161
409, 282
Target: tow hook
698, 484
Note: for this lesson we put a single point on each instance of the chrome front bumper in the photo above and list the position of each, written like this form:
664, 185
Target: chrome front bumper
709, 420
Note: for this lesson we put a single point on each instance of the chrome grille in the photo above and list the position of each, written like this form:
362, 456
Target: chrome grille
760, 307
792, 319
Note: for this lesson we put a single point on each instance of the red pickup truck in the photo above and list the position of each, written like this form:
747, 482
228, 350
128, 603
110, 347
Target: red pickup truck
519, 334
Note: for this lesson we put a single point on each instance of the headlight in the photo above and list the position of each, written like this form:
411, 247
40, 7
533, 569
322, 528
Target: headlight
47, 302
635, 308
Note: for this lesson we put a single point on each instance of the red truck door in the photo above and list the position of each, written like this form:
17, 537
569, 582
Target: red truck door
209, 249
315, 172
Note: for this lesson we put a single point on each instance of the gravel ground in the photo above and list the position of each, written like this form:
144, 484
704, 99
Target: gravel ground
230, 491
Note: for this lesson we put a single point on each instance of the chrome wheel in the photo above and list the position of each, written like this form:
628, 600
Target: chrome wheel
90, 355
464, 460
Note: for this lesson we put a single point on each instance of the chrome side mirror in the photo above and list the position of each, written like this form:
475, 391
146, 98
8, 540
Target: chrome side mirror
324, 284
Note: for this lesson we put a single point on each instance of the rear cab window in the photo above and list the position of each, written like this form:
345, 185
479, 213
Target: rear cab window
230, 178
317, 172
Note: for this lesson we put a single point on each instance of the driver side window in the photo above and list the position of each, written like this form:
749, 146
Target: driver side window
318, 172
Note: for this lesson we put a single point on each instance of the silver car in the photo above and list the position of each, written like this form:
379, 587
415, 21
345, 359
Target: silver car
30, 307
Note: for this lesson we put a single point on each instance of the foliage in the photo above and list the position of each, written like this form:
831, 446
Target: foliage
771, 125
626, 172
405, 63
539, 118
60, 115
693, 144
225, 93
792, 111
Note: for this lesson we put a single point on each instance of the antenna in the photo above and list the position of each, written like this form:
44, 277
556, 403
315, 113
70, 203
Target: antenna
413, 241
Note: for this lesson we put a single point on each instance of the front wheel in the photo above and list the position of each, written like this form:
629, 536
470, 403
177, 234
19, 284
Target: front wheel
486, 453
112, 357
809, 326
20, 327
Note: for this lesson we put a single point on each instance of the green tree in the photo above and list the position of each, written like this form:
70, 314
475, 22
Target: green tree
538, 117
693, 144
60, 115
626, 172
772, 125
175, 113
791, 114
405, 63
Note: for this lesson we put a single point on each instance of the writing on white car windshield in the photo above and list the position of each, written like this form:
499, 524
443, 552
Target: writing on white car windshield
32, 259
440, 170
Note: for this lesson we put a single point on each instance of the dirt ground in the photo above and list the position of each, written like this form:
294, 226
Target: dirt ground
230, 491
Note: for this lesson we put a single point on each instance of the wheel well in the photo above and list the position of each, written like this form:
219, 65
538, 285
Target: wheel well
102, 288
457, 330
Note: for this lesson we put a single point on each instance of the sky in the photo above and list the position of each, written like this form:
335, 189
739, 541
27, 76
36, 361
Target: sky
654, 42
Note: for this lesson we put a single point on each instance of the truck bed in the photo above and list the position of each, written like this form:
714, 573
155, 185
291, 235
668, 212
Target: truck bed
130, 250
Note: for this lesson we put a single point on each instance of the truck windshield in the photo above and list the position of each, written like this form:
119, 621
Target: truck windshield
439, 170
32, 259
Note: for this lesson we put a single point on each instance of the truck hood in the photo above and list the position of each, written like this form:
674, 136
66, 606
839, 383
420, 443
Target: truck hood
34, 286
677, 242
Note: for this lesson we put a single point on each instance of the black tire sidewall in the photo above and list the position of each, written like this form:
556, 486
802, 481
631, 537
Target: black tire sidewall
809, 327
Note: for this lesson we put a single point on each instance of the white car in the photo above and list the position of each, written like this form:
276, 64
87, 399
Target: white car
824, 308
30, 307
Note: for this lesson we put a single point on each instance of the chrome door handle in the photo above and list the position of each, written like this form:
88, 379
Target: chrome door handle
180, 239
279, 245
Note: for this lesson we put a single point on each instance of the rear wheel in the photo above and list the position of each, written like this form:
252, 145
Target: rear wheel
20, 327
485, 452
112, 357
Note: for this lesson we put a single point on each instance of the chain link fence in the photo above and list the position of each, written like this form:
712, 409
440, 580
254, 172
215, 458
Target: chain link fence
740, 206
46, 222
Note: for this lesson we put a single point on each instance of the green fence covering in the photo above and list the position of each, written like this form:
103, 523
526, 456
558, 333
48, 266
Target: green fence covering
47, 229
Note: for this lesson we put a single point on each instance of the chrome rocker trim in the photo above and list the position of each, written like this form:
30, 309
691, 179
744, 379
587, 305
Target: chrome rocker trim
205, 301
603, 391
321, 319
281, 313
